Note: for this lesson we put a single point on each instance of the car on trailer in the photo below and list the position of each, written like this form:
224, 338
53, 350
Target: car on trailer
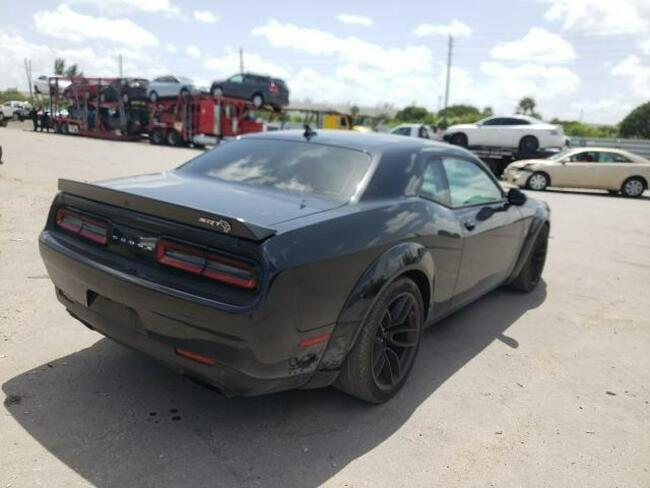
292, 259
525, 134
128, 89
170, 86
261, 90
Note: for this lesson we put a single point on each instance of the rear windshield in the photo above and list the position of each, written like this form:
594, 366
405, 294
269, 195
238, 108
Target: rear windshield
289, 166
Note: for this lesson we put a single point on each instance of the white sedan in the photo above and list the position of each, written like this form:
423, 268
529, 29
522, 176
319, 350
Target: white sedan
522, 133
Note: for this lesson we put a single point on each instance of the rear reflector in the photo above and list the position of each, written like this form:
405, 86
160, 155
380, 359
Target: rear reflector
310, 341
206, 264
89, 228
199, 358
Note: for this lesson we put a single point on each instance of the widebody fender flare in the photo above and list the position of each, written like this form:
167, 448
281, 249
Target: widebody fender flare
403, 258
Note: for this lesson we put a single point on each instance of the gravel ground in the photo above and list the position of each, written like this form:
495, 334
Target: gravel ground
546, 389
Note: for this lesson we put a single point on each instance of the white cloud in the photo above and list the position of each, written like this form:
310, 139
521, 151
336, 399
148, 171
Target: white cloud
410, 59
170, 48
637, 74
123, 7
538, 46
64, 23
193, 52
645, 47
601, 16
228, 64
205, 16
602, 111
455, 28
543, 82
354, 19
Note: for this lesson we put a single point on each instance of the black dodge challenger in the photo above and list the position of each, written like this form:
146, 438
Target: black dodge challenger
292, 260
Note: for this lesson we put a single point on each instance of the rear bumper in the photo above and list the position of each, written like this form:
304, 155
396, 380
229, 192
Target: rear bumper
253, 353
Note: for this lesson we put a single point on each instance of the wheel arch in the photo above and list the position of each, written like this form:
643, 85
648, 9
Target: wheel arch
642, 178
540, 219
411, 260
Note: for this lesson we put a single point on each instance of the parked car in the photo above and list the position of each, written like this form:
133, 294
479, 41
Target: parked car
128, 89
259, 89
292, 260
412, 130
170, 86
90, 89
525, 134
15, 109
43, 85
601, 168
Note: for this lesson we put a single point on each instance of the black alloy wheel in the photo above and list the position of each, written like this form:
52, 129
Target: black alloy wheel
380, 361
396, 342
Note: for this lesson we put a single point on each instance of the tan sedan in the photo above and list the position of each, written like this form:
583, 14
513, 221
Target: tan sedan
608, 169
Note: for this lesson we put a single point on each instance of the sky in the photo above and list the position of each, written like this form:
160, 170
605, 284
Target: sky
579, 59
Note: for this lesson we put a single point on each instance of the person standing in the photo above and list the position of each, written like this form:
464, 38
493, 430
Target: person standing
33, 114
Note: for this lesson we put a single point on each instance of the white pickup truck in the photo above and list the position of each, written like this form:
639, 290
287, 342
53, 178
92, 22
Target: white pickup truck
520, 132
13, 109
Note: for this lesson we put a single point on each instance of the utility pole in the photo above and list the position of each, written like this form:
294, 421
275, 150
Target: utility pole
449, 51
28, 72
119, 63
241, 60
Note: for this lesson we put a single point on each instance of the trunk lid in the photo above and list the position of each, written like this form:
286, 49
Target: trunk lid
244, 211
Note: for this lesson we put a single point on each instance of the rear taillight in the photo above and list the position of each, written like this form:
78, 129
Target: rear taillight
89, 228
206, 264
274, 88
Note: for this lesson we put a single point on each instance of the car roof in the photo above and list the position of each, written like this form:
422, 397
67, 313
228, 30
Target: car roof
373, 142
408, 125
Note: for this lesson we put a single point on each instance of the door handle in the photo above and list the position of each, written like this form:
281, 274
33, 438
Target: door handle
469, 225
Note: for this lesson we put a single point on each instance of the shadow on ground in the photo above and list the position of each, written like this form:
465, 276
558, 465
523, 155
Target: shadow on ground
119, 419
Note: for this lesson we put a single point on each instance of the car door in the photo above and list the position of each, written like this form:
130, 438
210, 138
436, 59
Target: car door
492, 230
488, 133
234, 86
576, 171
612, 169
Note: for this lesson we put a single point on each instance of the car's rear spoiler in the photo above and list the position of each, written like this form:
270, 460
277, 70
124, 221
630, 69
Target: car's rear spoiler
170, 211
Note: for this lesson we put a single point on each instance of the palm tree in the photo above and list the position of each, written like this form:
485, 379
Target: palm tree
59, 66
73, 71
526, 106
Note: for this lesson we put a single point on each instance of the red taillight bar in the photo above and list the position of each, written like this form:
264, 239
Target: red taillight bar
206, 264
199, 358
82, 225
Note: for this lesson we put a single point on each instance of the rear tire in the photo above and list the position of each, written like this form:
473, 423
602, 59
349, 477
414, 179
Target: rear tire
459, 139
174, 138
538, 181
528, 145
156, 137
383, 355
531, 273
633, 187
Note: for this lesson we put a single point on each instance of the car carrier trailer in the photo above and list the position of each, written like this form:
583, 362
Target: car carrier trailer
497, 159
200, 120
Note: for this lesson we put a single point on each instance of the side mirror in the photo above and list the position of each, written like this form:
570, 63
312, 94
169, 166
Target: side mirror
516, 197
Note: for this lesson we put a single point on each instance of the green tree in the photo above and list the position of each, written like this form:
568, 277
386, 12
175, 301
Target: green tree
412, 113
11, 94
637, 123
72, 71
526, 106
59, 66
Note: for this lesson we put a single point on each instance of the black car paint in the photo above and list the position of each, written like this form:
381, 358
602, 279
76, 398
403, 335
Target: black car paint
321, 265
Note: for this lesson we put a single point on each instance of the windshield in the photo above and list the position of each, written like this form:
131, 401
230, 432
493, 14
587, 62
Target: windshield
289, 166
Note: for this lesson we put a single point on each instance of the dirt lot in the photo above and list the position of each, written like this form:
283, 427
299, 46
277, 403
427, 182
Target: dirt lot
547, 389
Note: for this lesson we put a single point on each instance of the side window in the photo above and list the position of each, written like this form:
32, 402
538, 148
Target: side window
494, 121
423, 133
513, 121
469, 184
434, 183
236, 79
585, 157
402, 131
607, 157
